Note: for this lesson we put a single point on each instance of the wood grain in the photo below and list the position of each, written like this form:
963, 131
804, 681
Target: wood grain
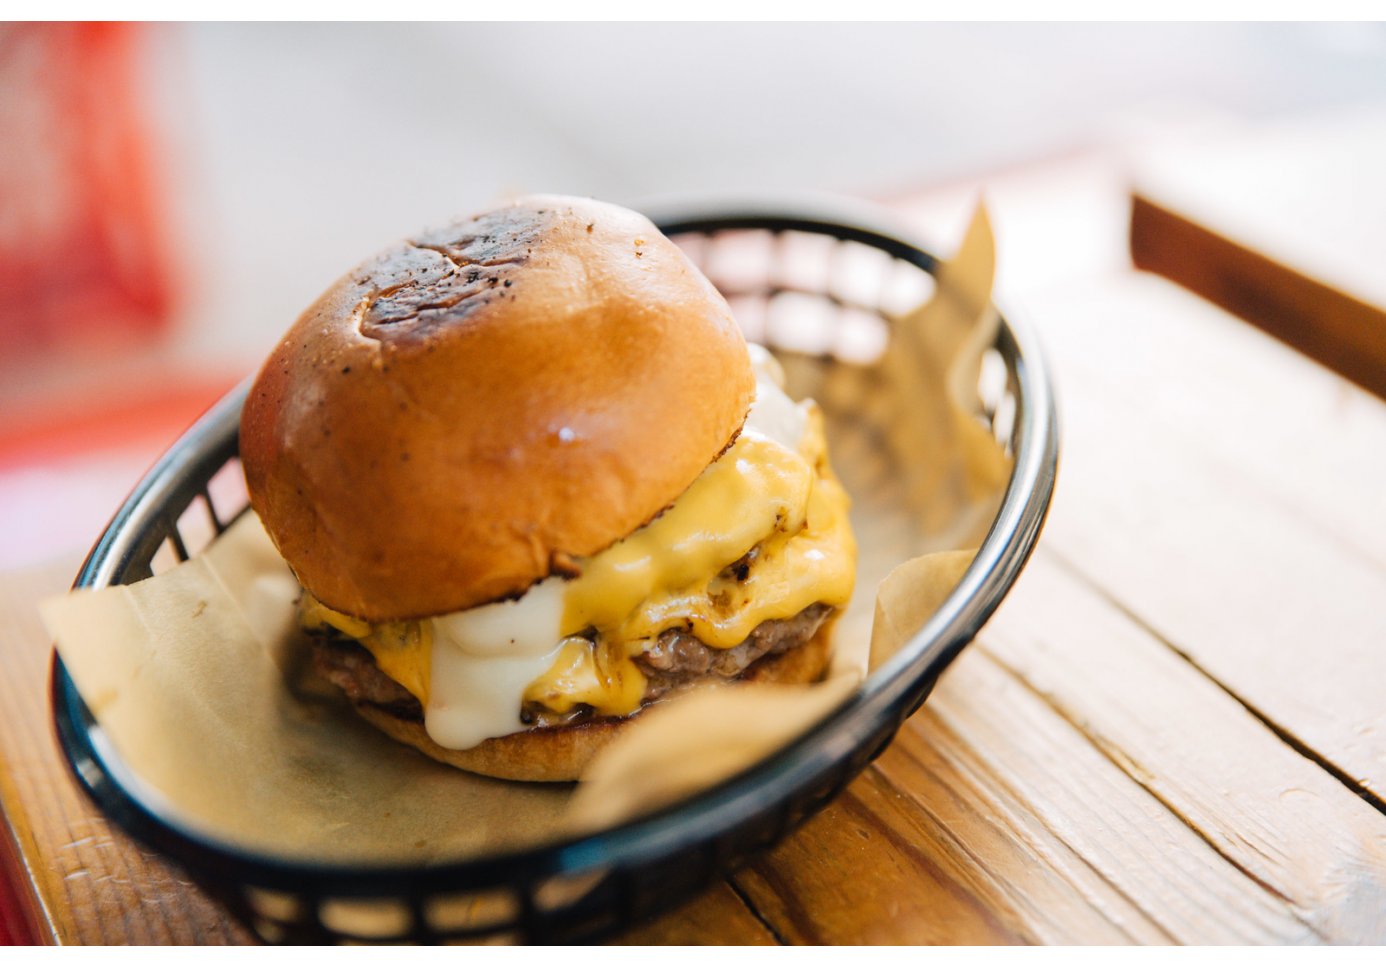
1075, 821
718, 916
1075, 780
1335, 328
1197, 544
1229, 395
865, 871
1282, 223
1290, 854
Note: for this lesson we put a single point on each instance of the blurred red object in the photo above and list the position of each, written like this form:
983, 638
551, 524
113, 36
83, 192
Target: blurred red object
83, 260
13, 930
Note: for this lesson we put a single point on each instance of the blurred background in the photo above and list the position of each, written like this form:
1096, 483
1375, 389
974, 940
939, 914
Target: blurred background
171, 196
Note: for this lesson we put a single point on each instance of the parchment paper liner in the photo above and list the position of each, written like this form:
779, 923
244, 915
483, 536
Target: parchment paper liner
199, 680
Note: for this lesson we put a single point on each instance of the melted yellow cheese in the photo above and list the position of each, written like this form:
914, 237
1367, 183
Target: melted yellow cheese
599, 674
403, 650
759, 494
782, 502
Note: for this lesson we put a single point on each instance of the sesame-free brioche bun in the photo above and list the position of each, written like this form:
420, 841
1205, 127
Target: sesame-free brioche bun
562, 752
459, 416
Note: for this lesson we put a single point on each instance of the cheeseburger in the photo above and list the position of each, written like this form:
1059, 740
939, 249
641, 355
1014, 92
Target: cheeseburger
532, 480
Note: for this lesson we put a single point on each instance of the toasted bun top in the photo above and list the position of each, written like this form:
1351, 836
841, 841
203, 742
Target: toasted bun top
458, 416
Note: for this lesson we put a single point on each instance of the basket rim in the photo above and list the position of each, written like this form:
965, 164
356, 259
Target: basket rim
211, 441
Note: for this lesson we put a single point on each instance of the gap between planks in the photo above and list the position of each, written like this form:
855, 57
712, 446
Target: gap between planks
751, 908
1285, 736
1267, 810
1233, 506
1072, 780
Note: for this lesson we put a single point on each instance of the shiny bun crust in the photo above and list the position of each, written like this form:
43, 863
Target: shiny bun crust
562, 752
458, 417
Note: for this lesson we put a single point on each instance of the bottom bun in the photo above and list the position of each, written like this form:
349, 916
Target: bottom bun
559, 753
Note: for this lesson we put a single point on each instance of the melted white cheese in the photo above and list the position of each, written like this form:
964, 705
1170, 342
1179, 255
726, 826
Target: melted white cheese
482, 661
773, 414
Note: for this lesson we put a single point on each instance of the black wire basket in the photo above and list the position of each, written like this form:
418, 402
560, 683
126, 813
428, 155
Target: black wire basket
586, 887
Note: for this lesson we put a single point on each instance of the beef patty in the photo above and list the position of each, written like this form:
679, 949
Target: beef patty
677, 660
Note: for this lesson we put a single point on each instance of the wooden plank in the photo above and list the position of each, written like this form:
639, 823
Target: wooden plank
1231, 394
1283, 224
866, 871
1275, 606
1066, 811
1074, 779
994, 817
1309, 853
718, 916
1333, 327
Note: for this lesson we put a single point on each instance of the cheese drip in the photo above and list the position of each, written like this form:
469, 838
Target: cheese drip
784, 504
772, 491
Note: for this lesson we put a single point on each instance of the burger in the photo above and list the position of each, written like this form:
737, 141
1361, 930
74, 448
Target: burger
533, 480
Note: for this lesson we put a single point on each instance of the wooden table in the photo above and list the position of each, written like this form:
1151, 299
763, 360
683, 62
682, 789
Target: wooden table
1174, 730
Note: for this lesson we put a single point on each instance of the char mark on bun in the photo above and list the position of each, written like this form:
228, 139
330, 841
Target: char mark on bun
442, 277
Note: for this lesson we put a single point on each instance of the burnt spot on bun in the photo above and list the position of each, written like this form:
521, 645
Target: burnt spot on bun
502, 237
444, 276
